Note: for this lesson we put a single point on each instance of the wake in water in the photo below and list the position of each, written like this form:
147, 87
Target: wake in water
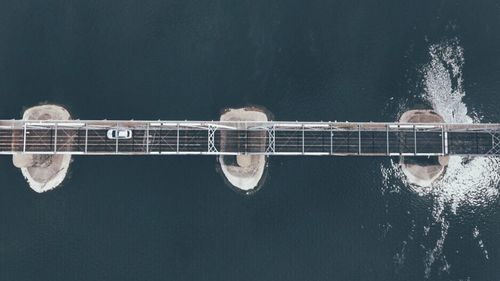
467, 181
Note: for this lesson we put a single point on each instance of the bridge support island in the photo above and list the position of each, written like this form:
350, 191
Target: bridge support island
422, 170
47, 170
244, 172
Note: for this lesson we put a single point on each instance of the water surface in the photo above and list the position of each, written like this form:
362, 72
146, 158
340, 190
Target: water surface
316, 218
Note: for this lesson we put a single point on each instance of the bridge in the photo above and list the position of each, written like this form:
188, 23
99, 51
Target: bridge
89, 137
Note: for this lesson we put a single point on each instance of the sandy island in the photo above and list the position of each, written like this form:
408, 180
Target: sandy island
421, 170
244, 172
43, 172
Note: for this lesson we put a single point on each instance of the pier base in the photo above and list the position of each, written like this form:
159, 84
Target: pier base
244, 172
422, 170
43, 171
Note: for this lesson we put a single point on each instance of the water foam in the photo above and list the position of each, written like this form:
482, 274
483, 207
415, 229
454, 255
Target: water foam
471, 182
467, 181
443, 81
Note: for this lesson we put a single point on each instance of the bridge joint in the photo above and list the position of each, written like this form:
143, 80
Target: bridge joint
211, 138
271, 139
495, 143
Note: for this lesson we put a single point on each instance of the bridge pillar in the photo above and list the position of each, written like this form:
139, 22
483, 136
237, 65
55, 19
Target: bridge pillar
422, 170
43, 171
245, 173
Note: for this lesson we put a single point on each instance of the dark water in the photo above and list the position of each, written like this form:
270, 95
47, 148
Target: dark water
173, 218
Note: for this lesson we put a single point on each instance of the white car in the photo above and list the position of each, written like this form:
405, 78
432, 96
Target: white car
122, 134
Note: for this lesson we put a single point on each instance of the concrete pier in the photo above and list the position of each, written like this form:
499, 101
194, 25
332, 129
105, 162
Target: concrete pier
244, 172
43, 171
423, 170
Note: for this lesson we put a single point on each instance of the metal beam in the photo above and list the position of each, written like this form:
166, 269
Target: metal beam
303, 139
387, 138
246, 138
24, 138
495, 144
492, 141
415, 139
161, 138
442, 140
86, 138
116, 137
271, 139
445, 142
331, 139
177, 138
359, 139
211, 138
147, 138
55, 138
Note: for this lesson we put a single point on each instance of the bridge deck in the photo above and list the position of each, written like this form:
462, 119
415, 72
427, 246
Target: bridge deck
270, 138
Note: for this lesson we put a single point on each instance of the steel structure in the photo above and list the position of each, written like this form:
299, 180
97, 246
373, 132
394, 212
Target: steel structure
89, 137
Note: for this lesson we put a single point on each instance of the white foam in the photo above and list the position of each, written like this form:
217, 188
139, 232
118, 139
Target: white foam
471, 182
467, 181
443, 82
475, 234
436, 252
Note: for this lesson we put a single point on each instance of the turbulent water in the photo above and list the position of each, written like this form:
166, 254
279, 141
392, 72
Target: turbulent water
469, 182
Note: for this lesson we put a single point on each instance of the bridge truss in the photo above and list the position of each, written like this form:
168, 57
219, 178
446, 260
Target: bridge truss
251, 138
